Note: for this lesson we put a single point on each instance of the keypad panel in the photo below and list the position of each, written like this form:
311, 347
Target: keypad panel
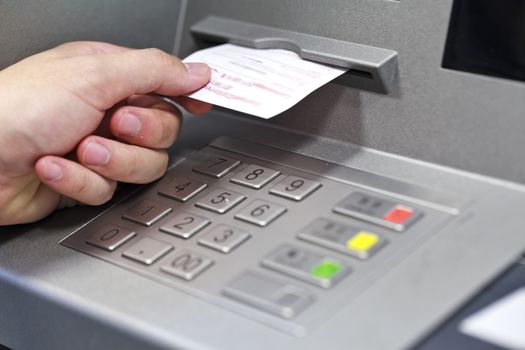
256, 236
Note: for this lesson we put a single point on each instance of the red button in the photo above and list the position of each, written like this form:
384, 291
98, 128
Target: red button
398, 214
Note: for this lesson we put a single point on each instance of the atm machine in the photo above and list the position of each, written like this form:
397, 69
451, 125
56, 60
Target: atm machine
375, 214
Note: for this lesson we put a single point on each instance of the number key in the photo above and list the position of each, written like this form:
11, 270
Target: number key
110, 237
182, 188
220, 201
186, 265
185, 225
216, 166
146, 212
295, 187
254, 176
260, 212
224, 238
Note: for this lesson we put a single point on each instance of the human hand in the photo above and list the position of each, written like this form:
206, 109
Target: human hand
52, 108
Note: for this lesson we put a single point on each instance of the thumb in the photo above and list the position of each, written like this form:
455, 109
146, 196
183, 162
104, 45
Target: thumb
120, 75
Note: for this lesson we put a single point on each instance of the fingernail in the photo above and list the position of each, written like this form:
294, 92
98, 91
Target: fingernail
95, 154
52, 171
129, 124
198, 69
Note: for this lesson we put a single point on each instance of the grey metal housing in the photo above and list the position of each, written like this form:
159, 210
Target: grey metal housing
445, 140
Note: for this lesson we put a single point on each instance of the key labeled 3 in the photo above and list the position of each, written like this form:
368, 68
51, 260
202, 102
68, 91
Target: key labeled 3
224, 238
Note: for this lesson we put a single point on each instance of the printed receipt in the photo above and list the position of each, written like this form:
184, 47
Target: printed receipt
263, 83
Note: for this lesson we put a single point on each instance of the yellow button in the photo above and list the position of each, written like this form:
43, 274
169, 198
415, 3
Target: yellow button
362, 241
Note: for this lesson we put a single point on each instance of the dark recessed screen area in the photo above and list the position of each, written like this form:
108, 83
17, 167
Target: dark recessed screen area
487, 37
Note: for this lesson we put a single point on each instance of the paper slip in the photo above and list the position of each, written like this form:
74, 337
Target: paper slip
263, 83
501, 323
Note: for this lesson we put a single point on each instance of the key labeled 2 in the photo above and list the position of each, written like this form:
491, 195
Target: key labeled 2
185, 225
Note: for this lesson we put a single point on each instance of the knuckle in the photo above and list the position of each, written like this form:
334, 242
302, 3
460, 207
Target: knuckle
158, 61
91, 81
144, 166
86, 192
81, 187
131, 167
157, 56
163, 164
108, 194
168, 131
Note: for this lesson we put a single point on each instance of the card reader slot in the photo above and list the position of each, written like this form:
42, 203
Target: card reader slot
370, 68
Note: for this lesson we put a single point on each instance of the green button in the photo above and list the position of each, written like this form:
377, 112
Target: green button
326, 269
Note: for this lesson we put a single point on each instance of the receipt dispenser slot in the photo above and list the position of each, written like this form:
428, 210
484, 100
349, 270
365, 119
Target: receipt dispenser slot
369, 68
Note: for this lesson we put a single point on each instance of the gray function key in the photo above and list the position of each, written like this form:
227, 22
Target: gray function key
146, 212
224, 238
377, 210
186, 265
321, 270
110, 237
220, 200
342, 238
182, 188
260, 213
147, 251
254, 176
185, 225
295, 188
277, 297
215, 165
